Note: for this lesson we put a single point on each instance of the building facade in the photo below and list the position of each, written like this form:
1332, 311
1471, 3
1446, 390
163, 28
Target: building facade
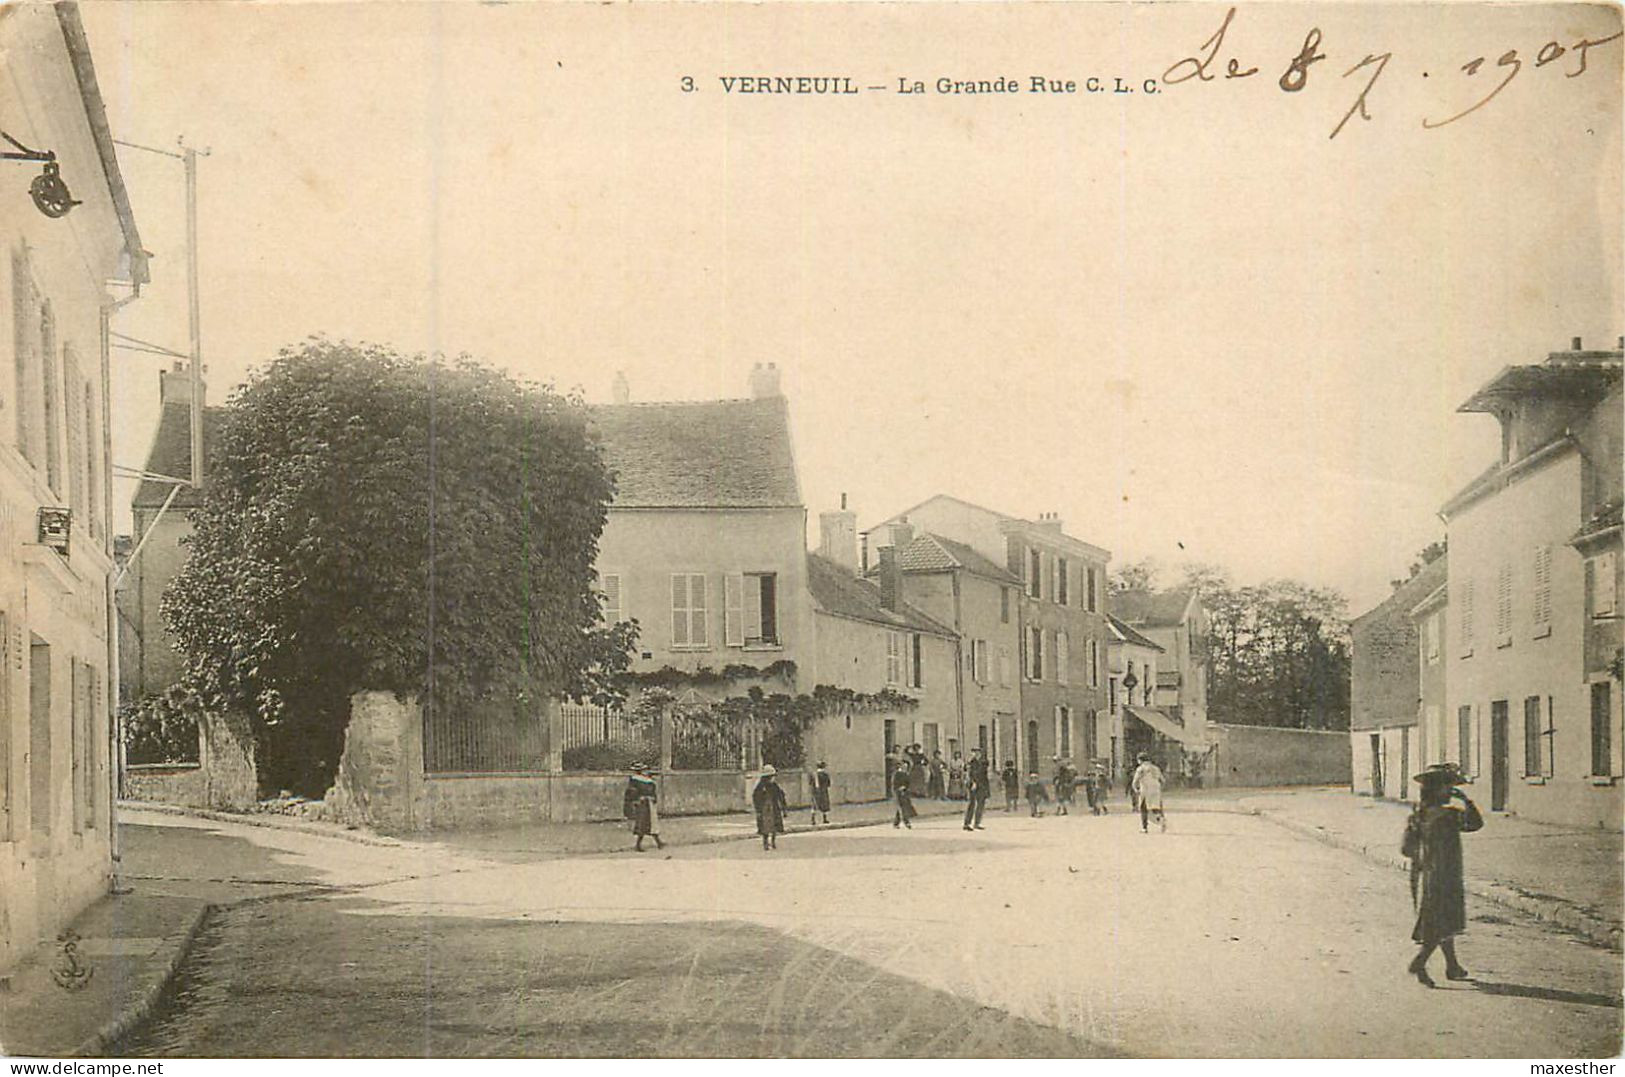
1532, 666
56, 547
1059, 608
705, 544
1390, 654
1168, 716
1132, 669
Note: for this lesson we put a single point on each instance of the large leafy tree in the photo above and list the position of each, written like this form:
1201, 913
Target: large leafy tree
374, 520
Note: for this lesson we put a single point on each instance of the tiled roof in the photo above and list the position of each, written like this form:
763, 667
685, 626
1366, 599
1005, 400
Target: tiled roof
705, 454
1127, 635
837, 591
933, 553
171, 454
1159, 609
1408, 595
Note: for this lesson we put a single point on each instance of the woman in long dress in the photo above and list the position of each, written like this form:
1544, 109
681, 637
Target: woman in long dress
638, 804
768, 800
1147, 788
1433, 845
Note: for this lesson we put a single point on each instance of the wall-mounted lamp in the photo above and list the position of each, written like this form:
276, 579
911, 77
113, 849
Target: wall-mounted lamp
49, 191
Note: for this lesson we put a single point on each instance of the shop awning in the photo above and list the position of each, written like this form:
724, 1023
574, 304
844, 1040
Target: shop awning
1166, 726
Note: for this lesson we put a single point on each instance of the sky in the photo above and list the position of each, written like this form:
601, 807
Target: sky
1190, 322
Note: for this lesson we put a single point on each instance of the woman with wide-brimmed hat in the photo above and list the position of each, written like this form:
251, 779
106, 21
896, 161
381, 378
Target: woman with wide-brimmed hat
768, 800
638, 804
1433, 845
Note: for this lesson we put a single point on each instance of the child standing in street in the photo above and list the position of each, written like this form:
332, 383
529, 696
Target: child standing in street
1037, 795
1012, 785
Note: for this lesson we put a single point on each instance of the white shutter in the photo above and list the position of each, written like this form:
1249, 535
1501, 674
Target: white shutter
1503, 605
1062, 649
753, 607
1602, 603
679, 611
733, 612
699, 629
1466, 648
612, 598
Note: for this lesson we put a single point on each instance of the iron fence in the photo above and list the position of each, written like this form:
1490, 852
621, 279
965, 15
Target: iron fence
487, 738
604, 738
706, 743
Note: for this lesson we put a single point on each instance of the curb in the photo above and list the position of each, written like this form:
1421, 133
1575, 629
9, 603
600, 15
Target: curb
1593, 928
268, 821
132, 1017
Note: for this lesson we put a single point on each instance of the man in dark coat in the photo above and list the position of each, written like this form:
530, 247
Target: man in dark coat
978, 787
919, 772
1012, 785
638, 805
768, 800
1433, 845
820, 792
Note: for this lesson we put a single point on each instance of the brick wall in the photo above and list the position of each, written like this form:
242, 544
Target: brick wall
1263, 756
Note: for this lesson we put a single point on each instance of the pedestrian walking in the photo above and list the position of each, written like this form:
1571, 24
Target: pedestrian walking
937, 770
1012, 785
1064, 781
1432, 843
1147, 785
977, 790
902, 793
768, 800
638, 805
1098, 788
1037, 796
820, 792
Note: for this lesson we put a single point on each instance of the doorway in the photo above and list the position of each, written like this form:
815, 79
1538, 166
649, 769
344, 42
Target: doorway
1500, 763
1032, 747
1376, 765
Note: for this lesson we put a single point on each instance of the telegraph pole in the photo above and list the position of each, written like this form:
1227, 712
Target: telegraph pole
189, 161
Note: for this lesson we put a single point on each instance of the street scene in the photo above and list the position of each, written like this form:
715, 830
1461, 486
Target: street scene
555, 531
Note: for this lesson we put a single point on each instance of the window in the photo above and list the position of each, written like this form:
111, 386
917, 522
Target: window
1432, 640
1540, 606
1035, 573
1434, 732
1062, 583
1004, 667
1063, 731
1148, 682
1062, 646
1503, 605
894, 658
1602, 714
1464, 738
1111, 695
1091, 583
1602, 585
1004, 605
610, 582
1465, 605
916, 661
1093, 661
1531, 736
73, 393
1035, 654
761, 608
93, 470
978, 660
688, 615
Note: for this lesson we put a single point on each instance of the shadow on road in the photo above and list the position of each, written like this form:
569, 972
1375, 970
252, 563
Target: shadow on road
1549, 994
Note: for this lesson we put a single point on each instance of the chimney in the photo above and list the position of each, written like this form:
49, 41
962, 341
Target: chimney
838, 536
1050, 521
620, 390
889, 577
175, 386
902, 533
764, 381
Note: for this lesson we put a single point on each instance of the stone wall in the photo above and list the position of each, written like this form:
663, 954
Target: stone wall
1263, 755
380, 775
227, 758
165, 783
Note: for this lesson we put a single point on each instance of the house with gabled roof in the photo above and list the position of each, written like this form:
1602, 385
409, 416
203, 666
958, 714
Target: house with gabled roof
1172, 709
705, 542
1057, 605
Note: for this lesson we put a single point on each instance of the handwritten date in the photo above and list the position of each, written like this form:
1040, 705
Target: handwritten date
1298, 69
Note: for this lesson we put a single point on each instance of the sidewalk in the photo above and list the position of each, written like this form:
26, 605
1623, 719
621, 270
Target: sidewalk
1567, 876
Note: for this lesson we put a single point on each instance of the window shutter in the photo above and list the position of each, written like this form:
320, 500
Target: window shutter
733, 610
1062, 647
1466, 624
1503, 605
753, 607
1602, 604
1541, 606
679, 611
612, 598
699, 628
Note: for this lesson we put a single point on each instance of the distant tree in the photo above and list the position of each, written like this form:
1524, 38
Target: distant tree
378, 521
1138, 575
1424, 557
